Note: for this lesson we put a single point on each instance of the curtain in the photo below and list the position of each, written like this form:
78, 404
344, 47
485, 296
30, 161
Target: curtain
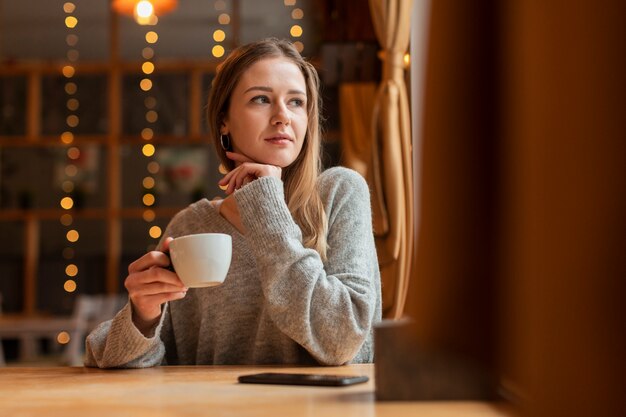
391, 159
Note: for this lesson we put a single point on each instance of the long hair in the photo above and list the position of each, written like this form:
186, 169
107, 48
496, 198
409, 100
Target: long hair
300, 178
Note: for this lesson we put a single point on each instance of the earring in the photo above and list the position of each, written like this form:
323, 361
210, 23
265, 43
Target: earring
225, 142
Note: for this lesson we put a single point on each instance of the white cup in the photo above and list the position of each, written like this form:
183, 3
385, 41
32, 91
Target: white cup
201, 260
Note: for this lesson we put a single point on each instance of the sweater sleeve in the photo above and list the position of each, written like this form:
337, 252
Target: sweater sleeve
326, 307
117, 343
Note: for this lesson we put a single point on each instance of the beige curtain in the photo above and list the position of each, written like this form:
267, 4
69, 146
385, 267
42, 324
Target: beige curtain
391, 153
376, 137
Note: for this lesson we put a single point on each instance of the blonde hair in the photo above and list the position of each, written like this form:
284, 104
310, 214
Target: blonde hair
300, 178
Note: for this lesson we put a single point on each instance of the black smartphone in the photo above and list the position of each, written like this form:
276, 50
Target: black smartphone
303, 379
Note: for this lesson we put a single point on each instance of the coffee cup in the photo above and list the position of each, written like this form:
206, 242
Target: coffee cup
201, 260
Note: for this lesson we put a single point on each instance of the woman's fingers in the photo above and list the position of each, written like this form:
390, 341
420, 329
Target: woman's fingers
150, 259
154, 275
246, 173
166, 244
153, 288
237, 157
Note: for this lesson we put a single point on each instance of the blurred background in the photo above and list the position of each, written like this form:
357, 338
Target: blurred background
102, 126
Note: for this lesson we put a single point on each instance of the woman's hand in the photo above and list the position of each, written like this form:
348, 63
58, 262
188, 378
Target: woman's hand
246, 171
150, 285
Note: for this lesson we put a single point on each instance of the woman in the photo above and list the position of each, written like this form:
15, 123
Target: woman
304, 285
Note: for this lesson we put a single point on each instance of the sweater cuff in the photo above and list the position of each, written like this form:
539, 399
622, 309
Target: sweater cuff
136, 338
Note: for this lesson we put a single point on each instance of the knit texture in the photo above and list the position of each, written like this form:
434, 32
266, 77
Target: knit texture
280, 303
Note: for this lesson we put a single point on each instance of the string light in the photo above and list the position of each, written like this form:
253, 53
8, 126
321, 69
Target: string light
63, 338
72, 154
296, 31
148, 150
219, 35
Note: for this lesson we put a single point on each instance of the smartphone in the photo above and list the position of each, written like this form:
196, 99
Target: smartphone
303, 379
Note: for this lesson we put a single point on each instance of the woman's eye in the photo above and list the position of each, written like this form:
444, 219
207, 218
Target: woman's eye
260, 99
297, 102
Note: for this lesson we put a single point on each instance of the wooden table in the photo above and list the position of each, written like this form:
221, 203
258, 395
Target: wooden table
204, 391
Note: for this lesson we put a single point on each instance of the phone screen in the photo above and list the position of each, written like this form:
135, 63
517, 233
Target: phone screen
303, 379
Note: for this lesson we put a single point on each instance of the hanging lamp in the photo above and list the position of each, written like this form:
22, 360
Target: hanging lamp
144, 12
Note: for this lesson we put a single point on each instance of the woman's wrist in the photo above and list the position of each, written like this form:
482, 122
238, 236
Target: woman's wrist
145, 326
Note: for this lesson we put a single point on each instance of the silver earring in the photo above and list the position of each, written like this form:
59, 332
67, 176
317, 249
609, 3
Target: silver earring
225, 142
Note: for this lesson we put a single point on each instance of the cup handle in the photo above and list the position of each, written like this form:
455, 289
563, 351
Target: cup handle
170, 267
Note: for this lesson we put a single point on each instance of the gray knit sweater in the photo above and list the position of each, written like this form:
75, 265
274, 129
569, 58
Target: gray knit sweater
279, 304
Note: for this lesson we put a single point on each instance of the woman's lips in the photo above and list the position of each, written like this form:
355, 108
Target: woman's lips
279, 140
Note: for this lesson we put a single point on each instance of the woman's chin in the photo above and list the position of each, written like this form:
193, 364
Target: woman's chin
279, 162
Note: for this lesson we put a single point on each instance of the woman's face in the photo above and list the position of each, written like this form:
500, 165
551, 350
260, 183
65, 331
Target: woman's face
267, 118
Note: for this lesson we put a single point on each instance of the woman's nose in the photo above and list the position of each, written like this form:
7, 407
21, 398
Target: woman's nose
281, 115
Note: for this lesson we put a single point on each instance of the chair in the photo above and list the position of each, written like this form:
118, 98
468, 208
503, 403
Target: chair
89, 311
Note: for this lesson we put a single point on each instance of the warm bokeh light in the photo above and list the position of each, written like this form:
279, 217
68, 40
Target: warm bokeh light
220, 5
148, 149
72, 55
223, 19
68, 71
71, 22
66, 219
67, 203
150, 102
148, 20
71, 270
67, 186
144, 9
296, 31
67, 137
72, 104
299, 46
407, 60
147, 133
71, 170
63, 337
71, 39
152, 116
218, 51
219, 35
152, 37
69, 7
145, 84
222, 169
297, 14
149, 215
73, 153
148, 182
72, 236
290, 2
153, 167
72, 120
70, 285
223, 187
155, 232
71, 88
147, 67
148, 199
147, 53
